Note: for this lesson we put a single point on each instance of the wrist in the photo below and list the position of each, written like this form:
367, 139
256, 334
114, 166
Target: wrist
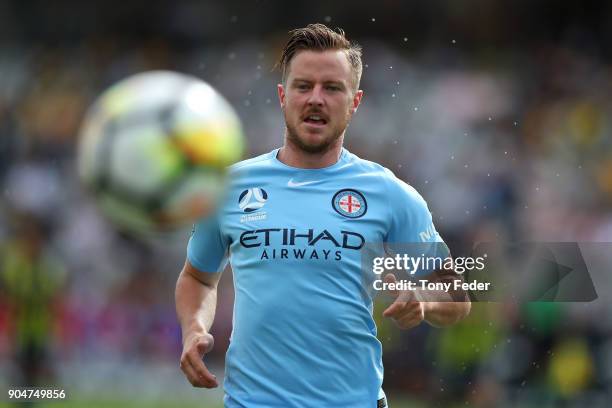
428, 307
194, 329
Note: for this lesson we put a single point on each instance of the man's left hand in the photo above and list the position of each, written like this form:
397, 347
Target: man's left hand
406, 310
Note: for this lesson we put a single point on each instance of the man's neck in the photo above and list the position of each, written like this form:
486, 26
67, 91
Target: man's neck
293, 156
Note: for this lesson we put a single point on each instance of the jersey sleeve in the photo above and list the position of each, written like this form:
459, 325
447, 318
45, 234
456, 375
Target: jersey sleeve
207, 250
411, 221
411, 228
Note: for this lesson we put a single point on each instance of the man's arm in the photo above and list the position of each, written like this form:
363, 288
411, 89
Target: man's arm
439, 308
444, 308
196, 301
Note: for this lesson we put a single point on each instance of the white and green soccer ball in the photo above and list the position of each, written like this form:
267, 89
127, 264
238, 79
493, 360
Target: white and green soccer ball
154, 148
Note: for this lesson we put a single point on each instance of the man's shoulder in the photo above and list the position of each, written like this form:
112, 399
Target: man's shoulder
375, 169
368, 166
396, 186
254, 162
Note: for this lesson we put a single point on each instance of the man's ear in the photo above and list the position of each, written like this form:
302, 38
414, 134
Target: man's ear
281, 95
357, 100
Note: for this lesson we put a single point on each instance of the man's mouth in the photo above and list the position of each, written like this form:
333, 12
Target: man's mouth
315, 120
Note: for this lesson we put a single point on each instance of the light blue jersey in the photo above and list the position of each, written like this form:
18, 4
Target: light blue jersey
303, 333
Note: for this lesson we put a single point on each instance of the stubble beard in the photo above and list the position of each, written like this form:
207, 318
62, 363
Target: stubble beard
294, 138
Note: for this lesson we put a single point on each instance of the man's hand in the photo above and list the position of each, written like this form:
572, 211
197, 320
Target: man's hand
195, 346
406, 310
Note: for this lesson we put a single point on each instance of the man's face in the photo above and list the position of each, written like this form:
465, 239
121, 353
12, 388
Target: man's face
318, 101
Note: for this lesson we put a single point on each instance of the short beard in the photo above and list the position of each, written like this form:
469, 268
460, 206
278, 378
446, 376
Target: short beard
311, 149
292, 136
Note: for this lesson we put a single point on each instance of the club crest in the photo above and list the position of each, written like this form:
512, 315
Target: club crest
350, 203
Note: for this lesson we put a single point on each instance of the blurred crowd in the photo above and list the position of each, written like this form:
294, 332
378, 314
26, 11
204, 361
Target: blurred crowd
504, 146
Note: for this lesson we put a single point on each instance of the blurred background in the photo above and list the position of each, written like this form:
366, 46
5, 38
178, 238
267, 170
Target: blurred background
499, 113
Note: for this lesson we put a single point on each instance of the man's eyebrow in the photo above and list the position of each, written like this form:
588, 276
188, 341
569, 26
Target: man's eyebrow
328, 82
334, 82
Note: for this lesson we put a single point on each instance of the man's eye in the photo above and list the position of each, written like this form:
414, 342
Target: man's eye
333, 88
302, 86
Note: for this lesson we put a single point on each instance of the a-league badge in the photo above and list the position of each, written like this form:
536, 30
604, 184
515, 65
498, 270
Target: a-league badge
350, 203
252, 199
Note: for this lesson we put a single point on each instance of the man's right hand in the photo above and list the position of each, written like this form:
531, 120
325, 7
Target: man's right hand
195, 346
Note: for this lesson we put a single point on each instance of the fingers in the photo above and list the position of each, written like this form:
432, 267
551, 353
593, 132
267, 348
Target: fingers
410, 316
192, 364
390, 278
191, 375
197, 373
394, 309
401, 295
402, 299
399, 308
197, 363
406, 311
408, 322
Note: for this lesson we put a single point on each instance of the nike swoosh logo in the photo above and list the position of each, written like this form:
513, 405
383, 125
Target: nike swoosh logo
292, 183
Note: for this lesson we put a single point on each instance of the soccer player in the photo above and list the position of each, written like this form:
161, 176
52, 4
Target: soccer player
292, 227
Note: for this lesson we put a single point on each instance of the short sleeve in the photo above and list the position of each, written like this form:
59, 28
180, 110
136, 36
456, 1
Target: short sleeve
410, 219
411, 228
207, 250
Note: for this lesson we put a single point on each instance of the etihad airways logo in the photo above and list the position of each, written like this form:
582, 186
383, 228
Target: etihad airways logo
277, 243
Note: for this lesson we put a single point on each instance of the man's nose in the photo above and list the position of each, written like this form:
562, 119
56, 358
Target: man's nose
316, 96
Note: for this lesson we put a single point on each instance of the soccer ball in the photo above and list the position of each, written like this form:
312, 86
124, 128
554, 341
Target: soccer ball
154, 148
